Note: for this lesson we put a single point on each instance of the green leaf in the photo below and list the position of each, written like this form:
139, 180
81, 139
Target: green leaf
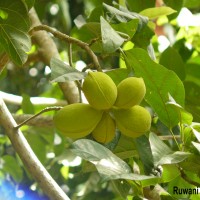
159, 83
197, 146
38, 145
142, 37
158, 148
153, 13
134, 177
169, 173
174, 158
110, 38
196, 133
184, 116
105, 161
13, 30
62, 72
172, 60
128, 28
191, 3
117, 75
137, 6
123, 15
11, 166
29, 3
176, 5
27, 105
144, 150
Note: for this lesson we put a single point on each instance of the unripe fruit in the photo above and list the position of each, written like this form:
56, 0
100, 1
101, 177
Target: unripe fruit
77, 120
130, 92
133, 122
100, 90
105, 129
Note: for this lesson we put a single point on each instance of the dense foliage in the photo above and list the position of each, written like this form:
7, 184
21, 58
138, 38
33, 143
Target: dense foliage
155, 40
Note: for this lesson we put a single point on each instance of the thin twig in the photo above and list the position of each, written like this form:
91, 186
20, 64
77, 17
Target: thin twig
169, 137
39, 121
34, 116
68, 39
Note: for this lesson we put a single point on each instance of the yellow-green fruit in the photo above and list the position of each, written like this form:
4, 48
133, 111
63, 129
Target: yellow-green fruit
130, 92
134, 121
105, 129
100, 90
77, 120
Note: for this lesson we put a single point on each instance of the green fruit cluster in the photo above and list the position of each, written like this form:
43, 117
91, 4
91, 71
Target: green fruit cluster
110, 106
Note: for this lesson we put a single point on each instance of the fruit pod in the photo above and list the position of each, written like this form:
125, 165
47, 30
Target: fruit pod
99, 90
130, 92
77, 120
132, 122
105, 129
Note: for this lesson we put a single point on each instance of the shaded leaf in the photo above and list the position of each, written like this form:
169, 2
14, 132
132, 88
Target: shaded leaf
172, 60
159, 83
110, 38
144, 150
14, 39
184, 116
134, 177
61, 72
123, 15
27, 105
129, 27
117, 75
153, 13
29, 3
137, 6
11, 166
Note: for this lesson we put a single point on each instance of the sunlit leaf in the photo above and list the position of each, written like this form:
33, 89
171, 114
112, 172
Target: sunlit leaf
110, 38
197, 146
153, 13
169, 173
106, 162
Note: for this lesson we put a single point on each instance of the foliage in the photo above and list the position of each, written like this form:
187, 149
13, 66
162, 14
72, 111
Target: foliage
126, 37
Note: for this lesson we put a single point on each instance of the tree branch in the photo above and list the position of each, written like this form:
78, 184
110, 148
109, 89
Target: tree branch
33, 165
69, 39
47, 50
44, 101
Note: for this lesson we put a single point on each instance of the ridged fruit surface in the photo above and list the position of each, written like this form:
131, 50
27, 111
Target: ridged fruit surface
133, 122
105, 129
130, 92
100, 90
77, 120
